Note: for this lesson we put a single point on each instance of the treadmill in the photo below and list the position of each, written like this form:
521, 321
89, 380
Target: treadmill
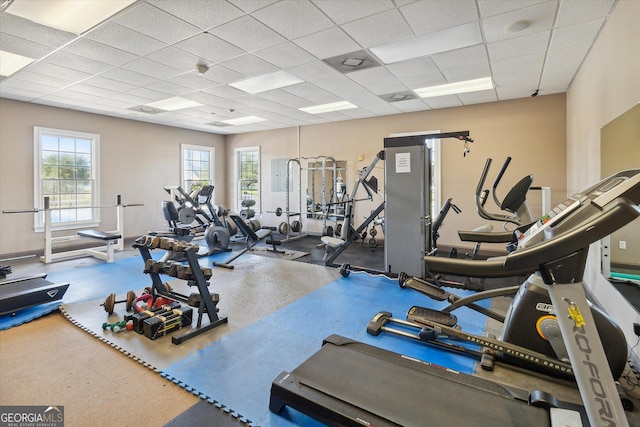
24, 292
350, 383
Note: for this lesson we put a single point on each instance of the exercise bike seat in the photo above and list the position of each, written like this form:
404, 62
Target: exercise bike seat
517, 196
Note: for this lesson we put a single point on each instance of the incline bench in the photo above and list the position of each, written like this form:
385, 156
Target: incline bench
251, 238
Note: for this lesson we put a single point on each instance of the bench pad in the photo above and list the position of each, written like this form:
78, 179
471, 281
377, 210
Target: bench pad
97, 234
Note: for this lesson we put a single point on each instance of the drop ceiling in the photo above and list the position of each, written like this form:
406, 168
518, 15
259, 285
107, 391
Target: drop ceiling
337, 50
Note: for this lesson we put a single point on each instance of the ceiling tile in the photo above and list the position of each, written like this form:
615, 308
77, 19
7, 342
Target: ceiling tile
125, 39
567, 59
527, 78
342, 12
434, 15
57, 71
248, 34
252, 5
572, 35
458, 58
221, 74
479, 97
209, 47
518, 64
519, 46
293, 19
193, 81
379, 29
99, 52
575, 11
224, 91
285, 55
540, 16
106, 83
176, 58
204, 14
93, 90
312, 93
446, 101
169, 88
467, 73
313, 71
377, 80
76, 62
156, 23
28, 30
497, 7
413, 67
249, 65
411, 105
128, 76
328, 43
424, 80
23, 47
149, 94
152, 68
35, 88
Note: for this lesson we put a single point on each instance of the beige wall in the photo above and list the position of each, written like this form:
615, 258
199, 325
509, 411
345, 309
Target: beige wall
599, 93
531, 131
136, 160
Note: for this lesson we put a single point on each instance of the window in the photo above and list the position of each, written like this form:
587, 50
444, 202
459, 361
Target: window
248, 168
66, 171
197, 166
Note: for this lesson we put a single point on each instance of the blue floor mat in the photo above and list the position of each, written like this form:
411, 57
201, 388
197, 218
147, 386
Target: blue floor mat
238, 370
96, 282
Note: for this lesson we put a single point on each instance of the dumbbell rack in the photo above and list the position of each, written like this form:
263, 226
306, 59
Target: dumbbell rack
193, 274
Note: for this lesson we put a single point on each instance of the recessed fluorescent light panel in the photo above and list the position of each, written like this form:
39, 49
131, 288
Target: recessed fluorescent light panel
327, 108
247, 120
266, 82
429, 44
484, 83
68, 15
175, 103
10, 63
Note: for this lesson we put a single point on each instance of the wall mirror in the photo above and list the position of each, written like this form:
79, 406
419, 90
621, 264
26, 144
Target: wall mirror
326, 186
620, 150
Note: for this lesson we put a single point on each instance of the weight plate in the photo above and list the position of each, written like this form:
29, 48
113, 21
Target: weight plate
284, 228
255, 224
232, 227
373, 232
131, 297
338, 230
296, 226
109, 303
327, 231
373, 243
278, 211
217, 237
186, 215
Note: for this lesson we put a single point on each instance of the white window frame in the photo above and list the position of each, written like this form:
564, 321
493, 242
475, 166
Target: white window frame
38, 200
212, 163
238, 201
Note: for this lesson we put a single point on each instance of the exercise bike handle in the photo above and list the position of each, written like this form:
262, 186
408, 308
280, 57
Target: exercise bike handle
496, 181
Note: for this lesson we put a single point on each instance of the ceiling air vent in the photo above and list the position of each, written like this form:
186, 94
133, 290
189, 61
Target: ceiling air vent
354, 61
146, 109
399, 96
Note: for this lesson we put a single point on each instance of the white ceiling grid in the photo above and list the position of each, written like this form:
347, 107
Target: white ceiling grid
149, 52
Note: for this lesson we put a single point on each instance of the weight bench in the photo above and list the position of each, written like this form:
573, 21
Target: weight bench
251, 238
110, 240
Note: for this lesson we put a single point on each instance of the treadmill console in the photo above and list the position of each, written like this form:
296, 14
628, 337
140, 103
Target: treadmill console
535, 233
598, 195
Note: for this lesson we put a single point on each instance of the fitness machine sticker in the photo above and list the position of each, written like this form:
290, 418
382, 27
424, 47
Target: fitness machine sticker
403, 162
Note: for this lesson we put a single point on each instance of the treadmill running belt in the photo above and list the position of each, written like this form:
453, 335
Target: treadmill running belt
351, 383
